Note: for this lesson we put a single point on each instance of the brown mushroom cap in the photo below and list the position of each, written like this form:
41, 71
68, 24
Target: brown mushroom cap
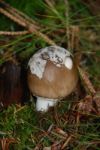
56, 83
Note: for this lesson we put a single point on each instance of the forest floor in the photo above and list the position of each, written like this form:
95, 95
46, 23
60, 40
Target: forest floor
74, 123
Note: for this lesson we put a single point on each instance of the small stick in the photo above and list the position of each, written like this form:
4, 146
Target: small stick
86, 81
12, 17
74, 38
25, 23
61, 132
67, 24
66, 142
13, 33
17, 13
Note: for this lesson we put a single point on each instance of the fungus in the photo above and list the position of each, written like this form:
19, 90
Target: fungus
52, 76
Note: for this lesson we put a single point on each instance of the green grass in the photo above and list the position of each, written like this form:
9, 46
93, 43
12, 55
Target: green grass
27, 126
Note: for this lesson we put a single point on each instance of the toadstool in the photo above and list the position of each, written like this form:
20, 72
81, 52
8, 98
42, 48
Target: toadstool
52, 75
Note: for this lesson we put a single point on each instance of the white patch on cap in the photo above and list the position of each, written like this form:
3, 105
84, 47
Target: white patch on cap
55, 54
68, 62
37, 65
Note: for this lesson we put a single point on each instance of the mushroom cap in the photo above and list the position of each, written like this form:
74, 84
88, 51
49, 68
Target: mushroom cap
57, 80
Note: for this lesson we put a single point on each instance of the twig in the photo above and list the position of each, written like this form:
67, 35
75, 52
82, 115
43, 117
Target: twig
12, 17
74, 37
67, 24
18, 13
86, 81
66, 142
13, 33
61, 132
50, 128
24, 21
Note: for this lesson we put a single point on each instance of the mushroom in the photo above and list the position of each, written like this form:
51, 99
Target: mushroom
52, 75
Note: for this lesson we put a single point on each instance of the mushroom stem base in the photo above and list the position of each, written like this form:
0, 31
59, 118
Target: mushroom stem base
43, 104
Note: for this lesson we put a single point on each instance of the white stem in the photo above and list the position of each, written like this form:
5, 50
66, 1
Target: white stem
43, 104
